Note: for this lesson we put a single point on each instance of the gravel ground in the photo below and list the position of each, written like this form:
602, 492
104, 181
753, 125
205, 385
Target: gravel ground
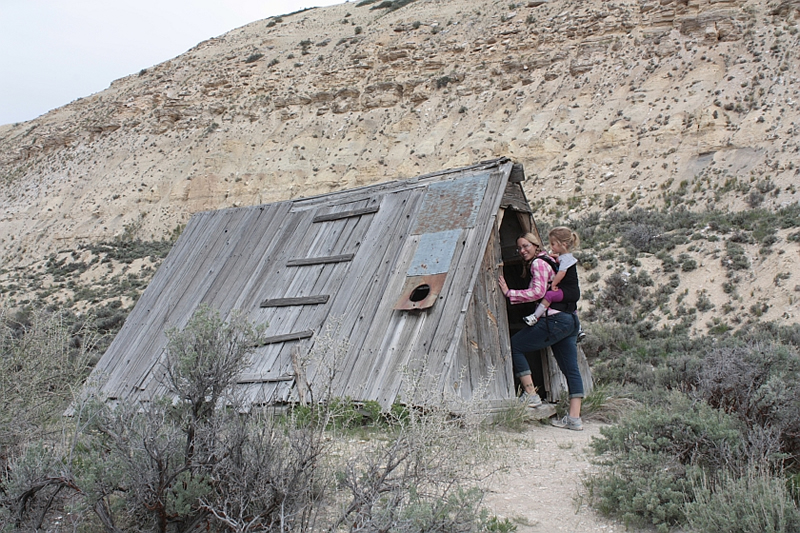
544, 491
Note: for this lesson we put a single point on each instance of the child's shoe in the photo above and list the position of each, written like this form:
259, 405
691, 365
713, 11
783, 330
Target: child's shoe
531, 319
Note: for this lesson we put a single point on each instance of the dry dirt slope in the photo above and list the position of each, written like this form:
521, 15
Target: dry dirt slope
609, 105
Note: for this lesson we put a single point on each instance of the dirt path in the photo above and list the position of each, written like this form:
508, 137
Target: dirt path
546, 493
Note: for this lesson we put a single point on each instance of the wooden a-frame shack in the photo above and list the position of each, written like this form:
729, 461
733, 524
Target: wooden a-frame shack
396, 276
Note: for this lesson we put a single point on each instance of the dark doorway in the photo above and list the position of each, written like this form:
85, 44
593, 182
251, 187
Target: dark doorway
515, 224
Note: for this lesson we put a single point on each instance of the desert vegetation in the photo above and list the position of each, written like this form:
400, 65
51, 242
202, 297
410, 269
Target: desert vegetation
197, 460
717, 420
662, 132
704, 417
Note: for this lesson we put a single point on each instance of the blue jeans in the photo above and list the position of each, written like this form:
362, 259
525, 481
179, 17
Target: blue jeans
560, 332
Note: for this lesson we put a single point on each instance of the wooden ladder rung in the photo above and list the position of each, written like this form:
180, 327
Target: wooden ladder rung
320, 260
300, 300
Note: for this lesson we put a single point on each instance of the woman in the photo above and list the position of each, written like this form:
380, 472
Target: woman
557, 329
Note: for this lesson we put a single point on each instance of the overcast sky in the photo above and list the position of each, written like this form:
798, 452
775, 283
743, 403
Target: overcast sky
55, 51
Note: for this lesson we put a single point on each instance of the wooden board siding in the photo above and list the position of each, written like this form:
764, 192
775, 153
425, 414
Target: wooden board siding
413, 338
485, 344
354, 247
168, 301
361, 304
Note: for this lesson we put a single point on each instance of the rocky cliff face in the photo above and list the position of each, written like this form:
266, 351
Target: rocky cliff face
609, 105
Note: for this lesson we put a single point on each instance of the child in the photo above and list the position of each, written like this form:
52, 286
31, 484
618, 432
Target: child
564, 286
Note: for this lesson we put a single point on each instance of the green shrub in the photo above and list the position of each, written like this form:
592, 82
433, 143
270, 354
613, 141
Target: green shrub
735, 258
645, 237
753, 503
771, 332
760, 384
45, 357
587, 260
668, 263
495, 525
645, 491
654, 458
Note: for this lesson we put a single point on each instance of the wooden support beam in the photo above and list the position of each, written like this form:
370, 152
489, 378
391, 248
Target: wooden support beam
320, 260
302, 300
346, 214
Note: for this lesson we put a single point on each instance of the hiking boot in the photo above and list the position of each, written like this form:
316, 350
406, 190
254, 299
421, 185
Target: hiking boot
567, 422
530, 320
531, 400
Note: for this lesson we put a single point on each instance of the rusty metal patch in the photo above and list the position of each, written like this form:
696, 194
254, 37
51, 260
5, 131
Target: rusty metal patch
451, 204
420, 292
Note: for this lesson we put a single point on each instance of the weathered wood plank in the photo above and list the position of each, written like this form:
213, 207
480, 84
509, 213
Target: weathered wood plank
346, 214
366, 191
239, 260
484, 348
263, 378
364, 304
477, 247
251, 242
120, 354
330, 279
301, 300
442, 330
295, 336
173, 307
342, 258
329, 238
217, 253
420, 337
197, 256
514, 197
463, 287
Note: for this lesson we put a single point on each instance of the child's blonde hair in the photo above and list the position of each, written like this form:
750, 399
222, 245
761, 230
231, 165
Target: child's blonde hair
565, 236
